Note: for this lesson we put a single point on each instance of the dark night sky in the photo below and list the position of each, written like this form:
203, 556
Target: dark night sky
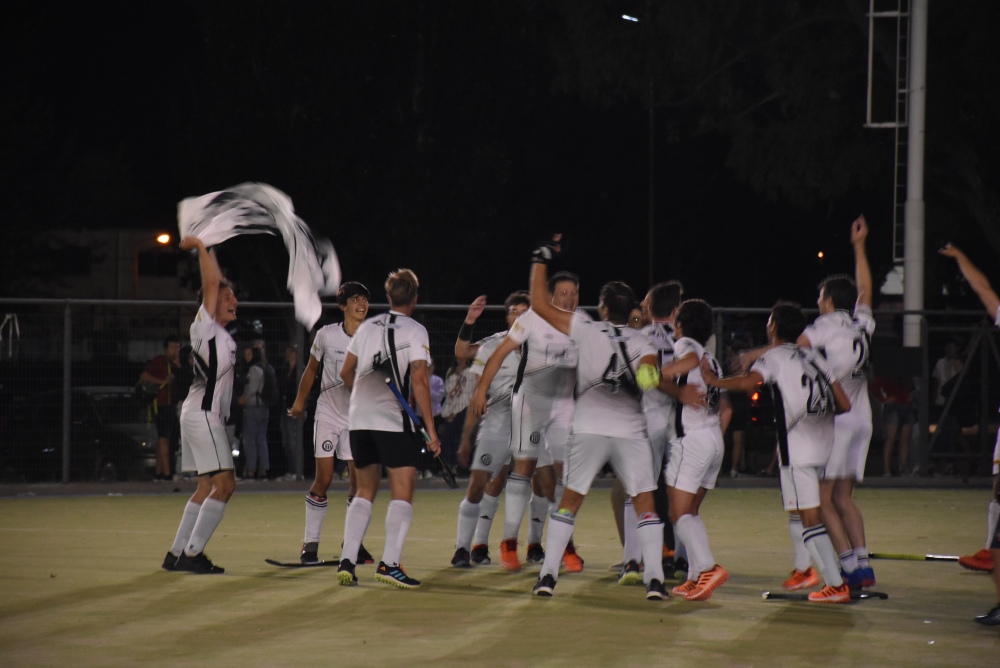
435, 135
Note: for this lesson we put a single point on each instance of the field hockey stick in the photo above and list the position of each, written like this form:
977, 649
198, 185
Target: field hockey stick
804, 596
912, 557
446, 472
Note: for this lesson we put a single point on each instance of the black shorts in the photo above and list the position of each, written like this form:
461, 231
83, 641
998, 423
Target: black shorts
167, 423
391, 449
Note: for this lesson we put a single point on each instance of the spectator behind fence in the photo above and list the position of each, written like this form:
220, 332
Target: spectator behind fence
945, 369
895, 396
162, 372
459, 384
291, 427
255, 417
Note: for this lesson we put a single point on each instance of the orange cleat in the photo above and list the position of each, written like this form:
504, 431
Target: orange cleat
708, 582
571, 561
508, 555
980, 561
801, 580
830, 594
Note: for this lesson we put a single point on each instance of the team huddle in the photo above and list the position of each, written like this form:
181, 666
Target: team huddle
559, 397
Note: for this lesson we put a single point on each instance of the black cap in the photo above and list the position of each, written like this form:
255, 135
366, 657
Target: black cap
351, 289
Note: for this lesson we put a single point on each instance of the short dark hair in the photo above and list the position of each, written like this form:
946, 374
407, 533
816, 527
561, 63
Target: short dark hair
695, 318
256, 355
618, 298
789, 321
517, 297
351, 289
664, 298
561, 276
170, 338
841, 289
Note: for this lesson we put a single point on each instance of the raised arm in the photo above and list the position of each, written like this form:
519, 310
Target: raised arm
976, 279
464, 349
211, 275
540, 302
862, 272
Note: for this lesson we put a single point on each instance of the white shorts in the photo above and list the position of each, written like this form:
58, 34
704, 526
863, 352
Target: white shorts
852, 434
695, 459
631, 459
331, 440
540, 423
800, 486
493, 451
996, 456
205, 446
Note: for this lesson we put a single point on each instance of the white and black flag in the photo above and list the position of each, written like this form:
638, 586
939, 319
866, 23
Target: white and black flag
257, 208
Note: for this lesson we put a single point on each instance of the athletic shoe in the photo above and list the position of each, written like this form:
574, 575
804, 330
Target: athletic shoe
394, 575
199, 563
345, 574
980, 561
310, 553
508, 555
571, 561
708, 582
462, 559
364, 556
830, 594
536, 554
630, 574
867, 576
991, 618
669, 567
544, 586
655, 591
854, 580
480, 555
801, 580
170, 562
684, 589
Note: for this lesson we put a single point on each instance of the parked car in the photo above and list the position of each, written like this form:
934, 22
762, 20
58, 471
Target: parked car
112, 437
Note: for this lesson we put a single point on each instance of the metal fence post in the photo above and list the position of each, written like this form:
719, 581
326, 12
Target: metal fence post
67, 388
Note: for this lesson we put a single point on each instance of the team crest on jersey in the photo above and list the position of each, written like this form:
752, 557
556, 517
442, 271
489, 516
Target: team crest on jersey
535, 438
327, 446
486, 459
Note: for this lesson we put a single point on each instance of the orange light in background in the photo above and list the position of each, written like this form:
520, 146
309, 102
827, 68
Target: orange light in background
755, 396
820, 255
163, 239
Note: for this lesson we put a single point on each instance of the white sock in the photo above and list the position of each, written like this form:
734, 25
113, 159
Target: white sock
649, 534
208, 519
848, 561
560, 532
397, 523
315, 514
468, 516
188, 518
992, 515
487, 511
539, 508
632, 550
692, 534
359, 515
824, 556
701, 543
861, 555
800, 554
518, 491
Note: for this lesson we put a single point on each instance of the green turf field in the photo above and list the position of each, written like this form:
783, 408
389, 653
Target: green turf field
80, 585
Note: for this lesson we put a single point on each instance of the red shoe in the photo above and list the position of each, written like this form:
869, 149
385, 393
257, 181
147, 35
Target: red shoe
829, 594
571, 560
508, 555
801, 580
708, 582
684, 589
980, 561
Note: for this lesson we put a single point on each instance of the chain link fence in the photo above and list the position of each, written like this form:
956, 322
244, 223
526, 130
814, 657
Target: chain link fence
69, 370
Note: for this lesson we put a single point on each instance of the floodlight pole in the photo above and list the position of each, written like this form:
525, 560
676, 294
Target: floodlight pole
913, 242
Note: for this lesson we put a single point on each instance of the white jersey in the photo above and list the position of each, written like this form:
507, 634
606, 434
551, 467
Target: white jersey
843, 341
691, 418
214, 366
662, 336
499, 391
608, 399
549, 357
373, 405
801, 384
330, 348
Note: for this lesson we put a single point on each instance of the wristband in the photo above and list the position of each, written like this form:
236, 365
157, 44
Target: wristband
465, 333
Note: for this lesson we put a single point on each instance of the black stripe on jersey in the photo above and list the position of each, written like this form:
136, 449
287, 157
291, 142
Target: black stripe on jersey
520, 367
678, 420
780, 424
211, 375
